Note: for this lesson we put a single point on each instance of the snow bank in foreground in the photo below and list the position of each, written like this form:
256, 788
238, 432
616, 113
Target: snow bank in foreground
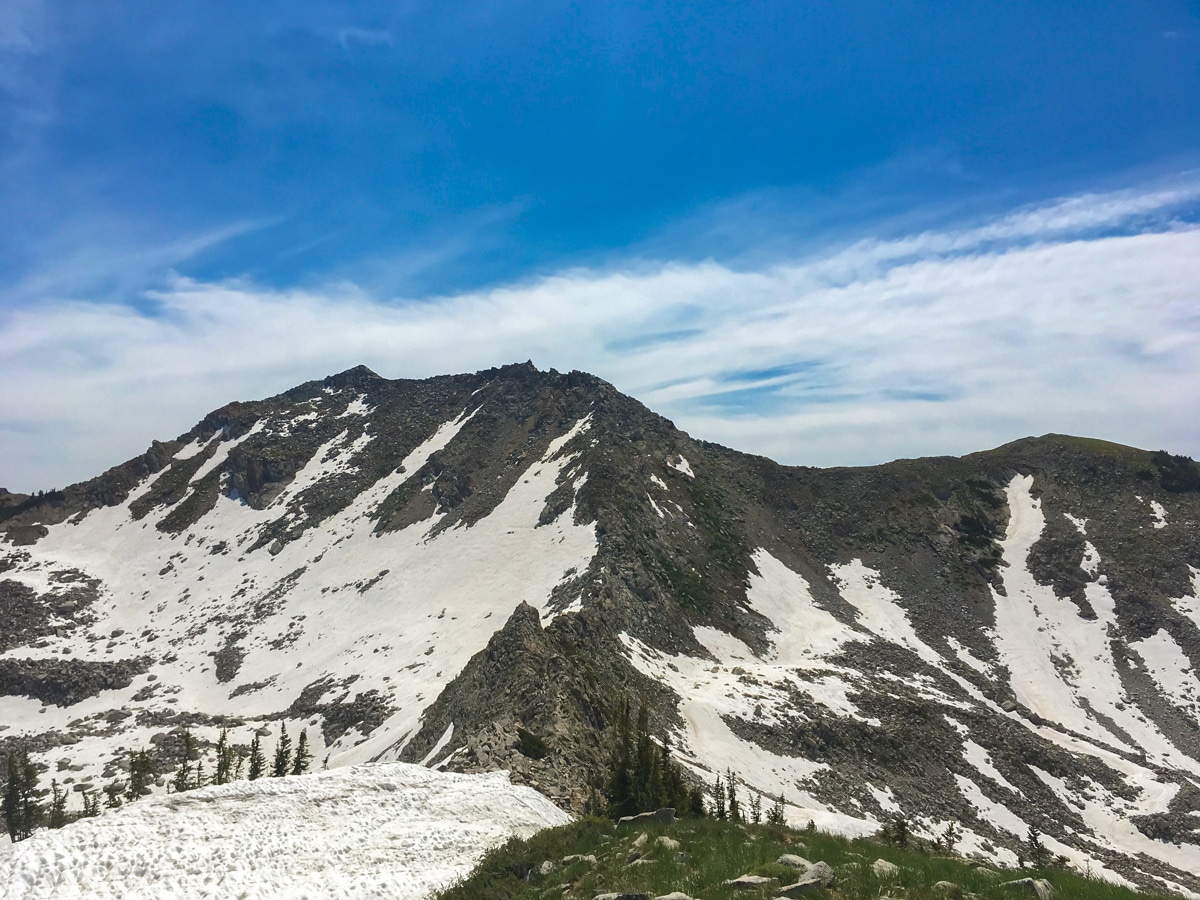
391, 830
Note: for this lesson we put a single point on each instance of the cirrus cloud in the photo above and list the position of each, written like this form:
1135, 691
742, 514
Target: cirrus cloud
1059, 318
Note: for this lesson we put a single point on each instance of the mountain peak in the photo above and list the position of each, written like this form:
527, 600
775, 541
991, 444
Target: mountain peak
473, 571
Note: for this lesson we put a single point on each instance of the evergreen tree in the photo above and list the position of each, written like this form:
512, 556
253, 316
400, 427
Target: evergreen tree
141, 771
113, 791
11, 804
199, 780
283, 753
756, 808
622, 800
303, 757
776, 814
1038, 854
641, 776
91, 805
644, 759
184, 779
58, 806
258, 762
735, 809
225, 757
719, 799
21, 804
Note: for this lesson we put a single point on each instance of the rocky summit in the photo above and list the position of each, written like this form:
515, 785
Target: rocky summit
472, 571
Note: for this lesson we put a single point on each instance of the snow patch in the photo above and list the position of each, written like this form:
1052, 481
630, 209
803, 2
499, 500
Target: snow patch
357, 407
387, 831
1171, 670
680, 464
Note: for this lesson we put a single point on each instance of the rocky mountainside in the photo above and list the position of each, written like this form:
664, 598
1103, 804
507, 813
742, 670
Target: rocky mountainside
471, 571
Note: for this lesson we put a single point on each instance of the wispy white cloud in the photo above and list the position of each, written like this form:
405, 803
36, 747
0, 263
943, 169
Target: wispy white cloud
364, 37
98, 258
945, 342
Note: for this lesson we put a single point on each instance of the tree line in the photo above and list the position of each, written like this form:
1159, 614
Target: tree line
641, 776
26, 806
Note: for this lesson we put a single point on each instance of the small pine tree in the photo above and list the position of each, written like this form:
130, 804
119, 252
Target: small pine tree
91, 805
225, 757
141, 770
283, 753
776, 814
184, 779
594, 804
756, 808
199, 781
949, 838
735, 808
1039, 856
113, 792
258, 762
303, 757
58, 806
21, 804
619, 786
11, 803
719, 799
695, 805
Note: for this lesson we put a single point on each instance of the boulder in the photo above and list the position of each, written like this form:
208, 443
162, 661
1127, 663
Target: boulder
792, 861
665, 816
947, 889
621, 896
819, 875
674, 895
884, 869
576, 857
749, 882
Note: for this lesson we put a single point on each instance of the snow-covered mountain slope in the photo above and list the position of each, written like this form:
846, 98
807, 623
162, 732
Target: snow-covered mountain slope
392, 831
471, 571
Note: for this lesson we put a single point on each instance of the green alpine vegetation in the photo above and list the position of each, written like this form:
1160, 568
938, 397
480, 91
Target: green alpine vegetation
697, 857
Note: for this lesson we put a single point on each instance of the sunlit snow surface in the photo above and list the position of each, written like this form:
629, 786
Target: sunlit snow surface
391, 830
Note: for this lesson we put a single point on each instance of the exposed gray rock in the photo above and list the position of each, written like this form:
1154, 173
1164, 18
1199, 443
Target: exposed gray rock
884, 869
820, 875
750, 882
792, 861
947, 889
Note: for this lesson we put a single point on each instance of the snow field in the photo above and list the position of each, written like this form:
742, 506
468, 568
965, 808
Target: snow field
390, 831
427, 605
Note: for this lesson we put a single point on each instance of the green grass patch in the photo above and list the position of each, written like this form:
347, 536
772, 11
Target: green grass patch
712, 852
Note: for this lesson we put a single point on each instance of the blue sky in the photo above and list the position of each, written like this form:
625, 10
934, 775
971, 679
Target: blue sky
399, 163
